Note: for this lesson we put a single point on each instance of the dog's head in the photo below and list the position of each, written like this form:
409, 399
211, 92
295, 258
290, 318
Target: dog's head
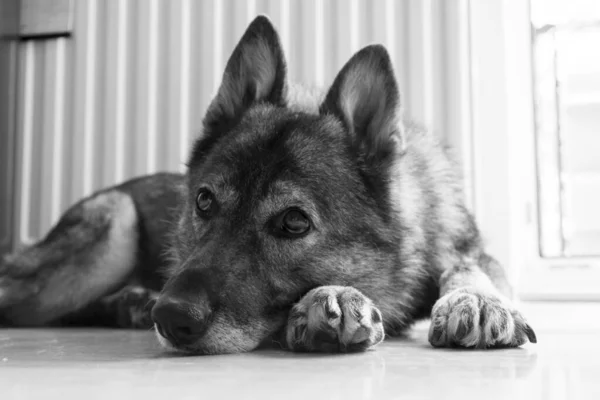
281, 200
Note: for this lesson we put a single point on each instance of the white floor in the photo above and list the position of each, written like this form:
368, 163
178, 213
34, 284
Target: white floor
104, 364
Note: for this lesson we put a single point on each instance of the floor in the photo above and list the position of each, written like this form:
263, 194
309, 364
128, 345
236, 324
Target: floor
105, 364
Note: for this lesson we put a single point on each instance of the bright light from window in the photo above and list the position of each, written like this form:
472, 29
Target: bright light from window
567, 100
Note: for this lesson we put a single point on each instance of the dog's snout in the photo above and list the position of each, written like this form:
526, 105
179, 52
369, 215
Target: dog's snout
181, 322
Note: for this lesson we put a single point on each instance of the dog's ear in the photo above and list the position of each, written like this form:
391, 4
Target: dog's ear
255, 72
365, 97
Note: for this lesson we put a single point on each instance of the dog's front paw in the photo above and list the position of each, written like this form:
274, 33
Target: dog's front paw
467, 317
334, 319
132, 307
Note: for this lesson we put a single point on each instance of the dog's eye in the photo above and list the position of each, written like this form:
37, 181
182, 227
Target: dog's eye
292, 223
204, 200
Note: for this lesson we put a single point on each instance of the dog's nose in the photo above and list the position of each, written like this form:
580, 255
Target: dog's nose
179, 321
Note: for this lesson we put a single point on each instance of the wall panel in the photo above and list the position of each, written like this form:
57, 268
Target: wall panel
125, 94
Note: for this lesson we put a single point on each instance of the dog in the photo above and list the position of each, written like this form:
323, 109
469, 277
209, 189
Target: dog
317, 221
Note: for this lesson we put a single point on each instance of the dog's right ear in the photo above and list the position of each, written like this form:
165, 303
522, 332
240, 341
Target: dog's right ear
255, 73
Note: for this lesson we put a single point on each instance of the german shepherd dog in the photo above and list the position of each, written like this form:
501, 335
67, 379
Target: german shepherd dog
318, 222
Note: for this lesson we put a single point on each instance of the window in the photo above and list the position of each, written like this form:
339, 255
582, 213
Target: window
536, 142
566, 65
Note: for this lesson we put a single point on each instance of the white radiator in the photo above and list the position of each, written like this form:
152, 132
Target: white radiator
125, 94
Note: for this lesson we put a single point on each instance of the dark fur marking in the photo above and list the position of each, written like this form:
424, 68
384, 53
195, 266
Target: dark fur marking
465, 326
331, 314
494, 331
325, 336
483, 314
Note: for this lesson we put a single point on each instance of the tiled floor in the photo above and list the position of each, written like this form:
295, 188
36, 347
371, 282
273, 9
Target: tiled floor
98, 364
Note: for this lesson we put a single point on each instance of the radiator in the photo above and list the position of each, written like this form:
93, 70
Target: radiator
125, 94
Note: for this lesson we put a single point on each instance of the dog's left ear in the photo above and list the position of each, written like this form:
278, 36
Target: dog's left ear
255, 72
365, 97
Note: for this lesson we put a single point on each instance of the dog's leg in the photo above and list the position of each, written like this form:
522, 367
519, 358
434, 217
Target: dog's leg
473, 312
129, 308
334, 319
90, 252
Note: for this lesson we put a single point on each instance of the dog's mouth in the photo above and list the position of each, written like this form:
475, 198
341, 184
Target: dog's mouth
171, 348
196, 348
221, 337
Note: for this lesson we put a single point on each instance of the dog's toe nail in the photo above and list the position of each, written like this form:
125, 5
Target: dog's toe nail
462, 329
530, 334
494, 332
436, 335
376, 316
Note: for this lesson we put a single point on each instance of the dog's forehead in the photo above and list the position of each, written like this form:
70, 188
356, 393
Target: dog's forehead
270, 128
274, 143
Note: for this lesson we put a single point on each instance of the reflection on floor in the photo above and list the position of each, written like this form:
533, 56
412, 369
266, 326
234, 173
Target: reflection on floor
104, 364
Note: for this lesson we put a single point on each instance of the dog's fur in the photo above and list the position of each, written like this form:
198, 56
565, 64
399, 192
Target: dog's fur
389, 239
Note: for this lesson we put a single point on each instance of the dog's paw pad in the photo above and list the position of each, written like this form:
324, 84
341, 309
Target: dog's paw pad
334, 319
469, 318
